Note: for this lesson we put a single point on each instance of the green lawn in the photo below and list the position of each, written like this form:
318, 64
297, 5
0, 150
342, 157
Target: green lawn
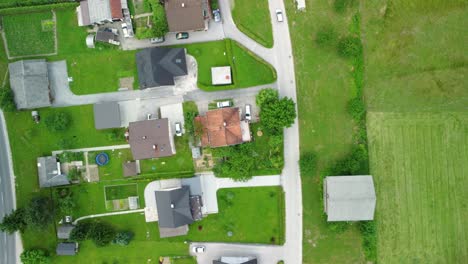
182, 260
324, 86
123, 191
179, 165
218, 53
253, 18
26, 35
419, 165
114, 169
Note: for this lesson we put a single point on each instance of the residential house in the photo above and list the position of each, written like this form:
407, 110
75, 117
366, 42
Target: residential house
185, 15
159, 66
223, 127
107, 115
92, 12
151, 139
174, 212
29, 81
50, 173
349, 198
67, 249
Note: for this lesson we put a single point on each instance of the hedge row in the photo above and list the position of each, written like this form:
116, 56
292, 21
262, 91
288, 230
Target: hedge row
35, 9
22, 3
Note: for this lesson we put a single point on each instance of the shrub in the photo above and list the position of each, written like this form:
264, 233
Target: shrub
214, 4
349, 47
101, 234
337, 227
369, 242
326, 37
7, 100
80, 232
356, 108
308, 163
34, 256
57, 121
266, 96
123, 238
341, 5
66, 204
356, 163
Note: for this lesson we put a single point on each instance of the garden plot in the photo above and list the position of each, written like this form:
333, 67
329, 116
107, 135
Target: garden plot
121, 197
30, 34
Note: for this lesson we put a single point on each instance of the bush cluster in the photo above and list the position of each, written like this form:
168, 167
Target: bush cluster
369, 242
275, 113
7, 100
99, 232
35, 256
38, 214
36, 8
350, 47
57, 121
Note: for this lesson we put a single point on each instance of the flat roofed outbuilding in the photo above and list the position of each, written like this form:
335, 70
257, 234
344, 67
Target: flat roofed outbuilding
67, 249
29, 81
151, 139
158, 66
184, 15
107, 115
349, 198
221, 75
64, 231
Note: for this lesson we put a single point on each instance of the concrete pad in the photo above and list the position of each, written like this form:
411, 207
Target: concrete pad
137, 110
175, 114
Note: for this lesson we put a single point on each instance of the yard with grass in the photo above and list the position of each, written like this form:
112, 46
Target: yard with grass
177, 166
324, 87
220, 53
29, 34
123, 191
253, 18
114, 169
419, 165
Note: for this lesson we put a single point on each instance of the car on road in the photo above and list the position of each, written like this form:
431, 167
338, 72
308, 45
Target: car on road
182, 35
199, 249
125, 30
223, 104
279, 15
156, 40
248, 115
178, 129
217, 15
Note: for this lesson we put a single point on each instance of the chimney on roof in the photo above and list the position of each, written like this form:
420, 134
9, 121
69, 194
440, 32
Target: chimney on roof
172, 206
183, 4
155, 147
143, 137
224, 123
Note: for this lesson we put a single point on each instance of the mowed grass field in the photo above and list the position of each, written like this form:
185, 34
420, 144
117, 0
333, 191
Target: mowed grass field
420, 166
253, 18
25, 34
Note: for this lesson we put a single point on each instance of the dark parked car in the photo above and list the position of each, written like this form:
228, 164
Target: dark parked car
182, 35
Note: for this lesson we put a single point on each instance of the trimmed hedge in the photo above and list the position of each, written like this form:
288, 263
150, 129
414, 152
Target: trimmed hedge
22, 3
36, 9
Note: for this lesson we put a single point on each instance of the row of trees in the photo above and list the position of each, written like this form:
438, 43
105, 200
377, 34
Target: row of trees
38, 214
100, 233
7, 102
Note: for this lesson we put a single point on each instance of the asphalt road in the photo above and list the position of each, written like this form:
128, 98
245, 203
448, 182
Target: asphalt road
7, 242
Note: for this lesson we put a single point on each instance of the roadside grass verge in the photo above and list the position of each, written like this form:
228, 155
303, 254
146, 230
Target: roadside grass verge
325, 85
419, 162
253, 19
28, 34
230, 53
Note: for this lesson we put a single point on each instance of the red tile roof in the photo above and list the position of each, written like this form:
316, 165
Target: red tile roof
116, 9
221, 127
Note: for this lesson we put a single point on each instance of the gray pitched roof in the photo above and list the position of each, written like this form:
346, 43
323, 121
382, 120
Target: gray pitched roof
49, 173
173, 207
349, 198
67, 249
106, 115
29, 81
63, 231
159, 66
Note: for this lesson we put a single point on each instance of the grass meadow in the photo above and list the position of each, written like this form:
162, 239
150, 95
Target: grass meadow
253, 19
26, 34
419, 163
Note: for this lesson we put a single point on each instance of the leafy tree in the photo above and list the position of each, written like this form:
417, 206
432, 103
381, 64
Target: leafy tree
39, 213
14, 221
349, 47
326, 36
356, 163
356, 108
308, 163
277, 115
266, 96
35, 256
237, 162
7, 101
81, 231
123, 238
57, 121
101, 234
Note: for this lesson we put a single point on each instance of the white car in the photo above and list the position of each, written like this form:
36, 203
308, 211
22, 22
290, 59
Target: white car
279, 15
198, 249
125, 30
178, 129
223, 104
248, 115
